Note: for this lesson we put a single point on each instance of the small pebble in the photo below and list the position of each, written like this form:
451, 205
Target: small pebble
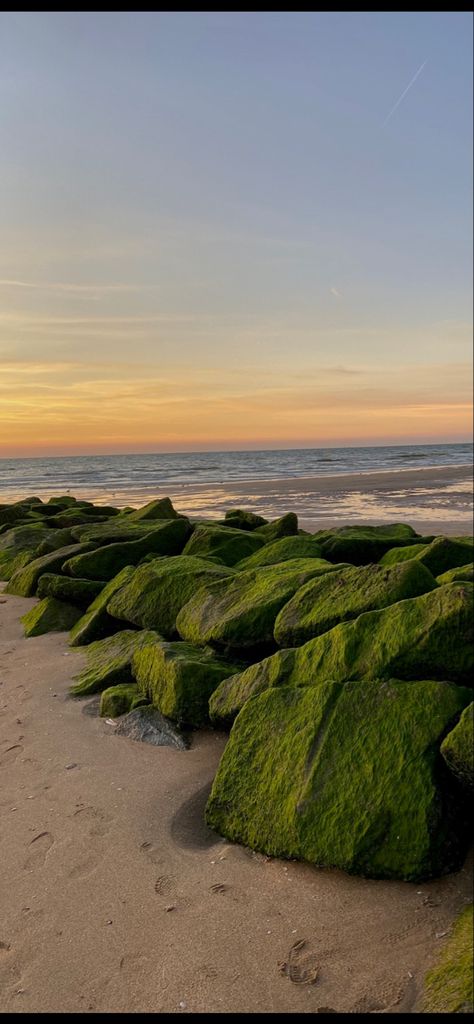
69, 766
170, 907
183, 1005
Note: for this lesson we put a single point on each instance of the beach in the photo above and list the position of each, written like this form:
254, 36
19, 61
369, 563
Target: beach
117, 897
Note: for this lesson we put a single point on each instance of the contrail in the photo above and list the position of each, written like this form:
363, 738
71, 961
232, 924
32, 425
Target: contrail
397, 104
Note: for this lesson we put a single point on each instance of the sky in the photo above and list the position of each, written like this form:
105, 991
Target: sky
234, 230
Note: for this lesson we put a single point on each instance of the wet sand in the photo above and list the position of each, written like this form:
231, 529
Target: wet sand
116, 897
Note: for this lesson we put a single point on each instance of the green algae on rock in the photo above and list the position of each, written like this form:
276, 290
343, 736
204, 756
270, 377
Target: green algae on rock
69, 588
108, 661
164, 538
281, 550
158, 590
285, 526
18, 546
232, 693
362, 544
458, 748
179, 678
345, 775
448, 986
344, 594
242, 519
96, 621
239, 612
442, 554
24, 581
120, 699
50, 616
463, 573
227, 543
159, 508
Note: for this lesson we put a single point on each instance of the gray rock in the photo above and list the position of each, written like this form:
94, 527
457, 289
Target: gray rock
149, 726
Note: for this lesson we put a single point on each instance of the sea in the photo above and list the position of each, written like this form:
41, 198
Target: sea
134, 479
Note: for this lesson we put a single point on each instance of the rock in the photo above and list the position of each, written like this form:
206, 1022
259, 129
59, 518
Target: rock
18, 546
281, 550
118, 700
50, 616
442, 554
285, 526
158, 590
345, 775
160, 508
239, 613
228, 544
344, 594
68, 588
179, 678
241, 519
108, 661
24, 581
53, 541
111, 531
448, 986
165, 538
363, 544
96, 621
464, 573
147, 725
231, 695
458, 748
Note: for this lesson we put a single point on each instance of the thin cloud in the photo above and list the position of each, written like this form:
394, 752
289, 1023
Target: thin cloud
64, 286
400, 98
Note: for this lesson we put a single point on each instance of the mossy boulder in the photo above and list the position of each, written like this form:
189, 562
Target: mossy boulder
281, 550
342, 595
160, 508
458, 748
54, 540
18, 546
464, 573
112, 531
285, 526
68, 588
442, 554
109, 661
362, 544
404, 554
230, 545
448, 986
50, 616
345, 775
239, 612
96, 621
166, 538
159, 589
24, 581
178, 679
241, 519
232, 693
120, 699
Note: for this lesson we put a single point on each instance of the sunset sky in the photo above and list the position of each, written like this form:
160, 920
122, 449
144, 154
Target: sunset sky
234, 230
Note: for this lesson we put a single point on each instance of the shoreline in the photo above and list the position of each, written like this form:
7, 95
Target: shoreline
104, 834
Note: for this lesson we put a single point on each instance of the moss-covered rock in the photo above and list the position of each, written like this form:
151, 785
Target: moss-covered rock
448, 986
24, 581
281, 550
165, 538
342, 595
285, 526
112, 531
241, 519
18, 546
179, 678
50, 616
462, 574
230, 545
345, 775
160, 508
232, 693
404, 554
120, 699
441, 554
240, 612
96, 621
54, 540
68, 588
109, 661
159, 589
362, 544
458, 748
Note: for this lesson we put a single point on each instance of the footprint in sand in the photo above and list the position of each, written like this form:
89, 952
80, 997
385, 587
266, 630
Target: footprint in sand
165, 885
98, 822
302, 968
84, 868
39, 848
10, 754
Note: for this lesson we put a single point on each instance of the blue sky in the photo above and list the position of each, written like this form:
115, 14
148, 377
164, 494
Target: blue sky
209, 221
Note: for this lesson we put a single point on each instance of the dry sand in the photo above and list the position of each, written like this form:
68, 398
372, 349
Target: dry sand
115, 896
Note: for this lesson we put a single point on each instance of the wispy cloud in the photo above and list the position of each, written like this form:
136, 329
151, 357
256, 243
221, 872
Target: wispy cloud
65, 286
400, 98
